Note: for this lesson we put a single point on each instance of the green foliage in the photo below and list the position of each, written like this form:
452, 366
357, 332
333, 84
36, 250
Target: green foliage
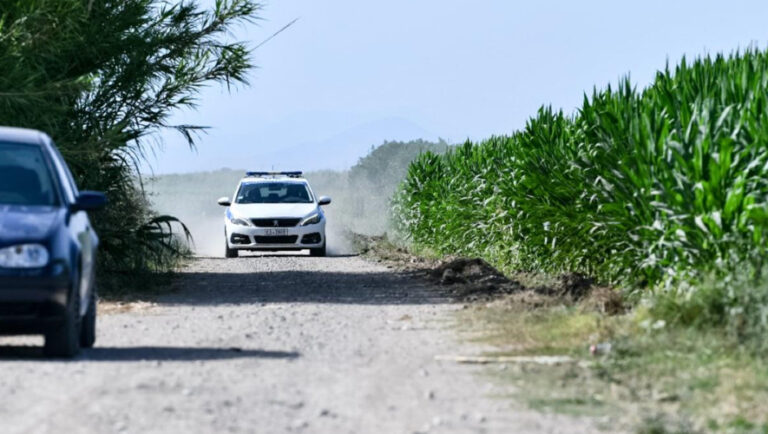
637, 188
101, 77
363, 195
735, 304
388, 163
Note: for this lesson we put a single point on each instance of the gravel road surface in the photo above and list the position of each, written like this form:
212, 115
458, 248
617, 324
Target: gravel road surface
268, 345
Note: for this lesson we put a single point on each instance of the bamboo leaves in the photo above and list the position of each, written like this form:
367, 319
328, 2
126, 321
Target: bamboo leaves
102, 77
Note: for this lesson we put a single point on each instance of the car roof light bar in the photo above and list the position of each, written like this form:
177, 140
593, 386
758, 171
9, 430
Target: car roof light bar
290, 174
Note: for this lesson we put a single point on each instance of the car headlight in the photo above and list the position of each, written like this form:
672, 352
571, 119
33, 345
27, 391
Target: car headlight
24, 256
240, 222
311, 220
236, 221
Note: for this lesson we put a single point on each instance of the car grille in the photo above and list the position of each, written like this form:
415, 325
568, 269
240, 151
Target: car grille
288, 239
276, 223
19, 310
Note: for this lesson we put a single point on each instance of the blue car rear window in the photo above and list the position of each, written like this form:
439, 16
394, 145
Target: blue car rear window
25, 176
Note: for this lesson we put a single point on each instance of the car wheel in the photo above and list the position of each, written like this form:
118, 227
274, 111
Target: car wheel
229, 253
320, 251
64, 339
88, 327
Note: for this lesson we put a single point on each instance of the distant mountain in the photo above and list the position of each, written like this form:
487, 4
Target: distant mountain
342, 150
304, 141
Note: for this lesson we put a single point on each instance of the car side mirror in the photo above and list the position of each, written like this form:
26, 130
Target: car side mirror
224, 201
324, 200
89, 201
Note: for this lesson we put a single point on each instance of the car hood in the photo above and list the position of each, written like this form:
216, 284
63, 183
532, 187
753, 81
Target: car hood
27, 223
261, 210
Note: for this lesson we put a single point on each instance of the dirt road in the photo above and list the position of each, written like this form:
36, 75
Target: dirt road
268, 345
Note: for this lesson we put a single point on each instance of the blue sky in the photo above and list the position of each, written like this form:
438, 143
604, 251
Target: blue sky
351, 74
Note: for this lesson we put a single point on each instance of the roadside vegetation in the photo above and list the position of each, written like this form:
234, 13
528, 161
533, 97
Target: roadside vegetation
643, 376
659, 193
363, 194
102, 78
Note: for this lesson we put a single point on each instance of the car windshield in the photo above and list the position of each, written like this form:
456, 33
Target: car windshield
25, 178
273, 192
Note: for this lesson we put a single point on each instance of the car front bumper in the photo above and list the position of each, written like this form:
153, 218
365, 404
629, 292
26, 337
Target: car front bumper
260, 238
29, 304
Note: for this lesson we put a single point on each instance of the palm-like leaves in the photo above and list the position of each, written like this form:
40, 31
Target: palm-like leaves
101, 78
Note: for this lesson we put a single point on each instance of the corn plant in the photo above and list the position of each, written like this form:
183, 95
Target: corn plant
637, 187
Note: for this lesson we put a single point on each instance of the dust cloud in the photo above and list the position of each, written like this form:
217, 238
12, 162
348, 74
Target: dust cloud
192, 198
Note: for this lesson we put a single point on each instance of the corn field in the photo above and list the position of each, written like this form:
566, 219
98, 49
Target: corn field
636, 188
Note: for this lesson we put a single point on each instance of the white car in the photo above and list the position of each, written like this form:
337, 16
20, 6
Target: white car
274, 211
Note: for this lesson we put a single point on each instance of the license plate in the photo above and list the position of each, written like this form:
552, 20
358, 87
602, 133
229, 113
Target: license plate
275, 232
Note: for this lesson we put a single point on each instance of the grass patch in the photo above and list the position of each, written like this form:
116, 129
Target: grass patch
653, 379
559, 330
569, 405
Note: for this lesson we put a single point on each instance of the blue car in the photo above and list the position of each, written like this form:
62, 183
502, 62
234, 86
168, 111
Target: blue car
47, 245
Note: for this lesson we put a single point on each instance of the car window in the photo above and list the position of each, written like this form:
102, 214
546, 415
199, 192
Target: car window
25, 176
69, 180
273, 192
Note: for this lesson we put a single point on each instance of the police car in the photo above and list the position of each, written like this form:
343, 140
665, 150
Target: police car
274, 211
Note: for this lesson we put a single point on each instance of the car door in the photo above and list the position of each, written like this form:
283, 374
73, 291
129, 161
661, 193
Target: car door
80, 228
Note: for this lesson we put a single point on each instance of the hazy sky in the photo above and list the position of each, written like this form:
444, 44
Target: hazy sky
351, 73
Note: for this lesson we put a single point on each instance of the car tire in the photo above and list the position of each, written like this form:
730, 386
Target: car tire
88, 326
320, 251
229, 253
64, 339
